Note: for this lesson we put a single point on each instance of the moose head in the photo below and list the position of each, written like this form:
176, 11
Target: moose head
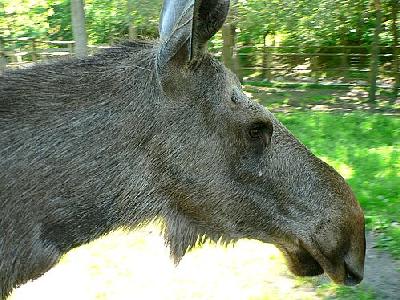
150, 130
234, 171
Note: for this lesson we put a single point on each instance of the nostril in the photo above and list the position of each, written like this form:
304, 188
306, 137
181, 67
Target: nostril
351, 278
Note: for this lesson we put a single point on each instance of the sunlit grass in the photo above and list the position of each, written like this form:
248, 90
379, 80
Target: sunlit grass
345, 170
137, 266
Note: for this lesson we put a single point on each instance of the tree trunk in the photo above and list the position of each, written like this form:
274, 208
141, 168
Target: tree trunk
228, 43
267, 59
131, 26
79, 28
229, 54
396, 63
375, 52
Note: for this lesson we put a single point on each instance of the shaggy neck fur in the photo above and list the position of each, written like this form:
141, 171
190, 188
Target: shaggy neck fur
78, 135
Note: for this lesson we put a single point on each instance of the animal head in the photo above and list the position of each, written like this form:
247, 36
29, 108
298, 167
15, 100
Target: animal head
229, 169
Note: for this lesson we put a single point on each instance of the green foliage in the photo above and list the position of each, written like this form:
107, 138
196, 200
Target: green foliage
106, 21
304, 22
299, 22
60, 20
23, 18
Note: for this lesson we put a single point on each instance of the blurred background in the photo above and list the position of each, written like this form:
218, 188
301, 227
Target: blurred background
330, 71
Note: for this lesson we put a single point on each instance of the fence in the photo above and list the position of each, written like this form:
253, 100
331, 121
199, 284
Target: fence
17, 52
339, 64
344, 62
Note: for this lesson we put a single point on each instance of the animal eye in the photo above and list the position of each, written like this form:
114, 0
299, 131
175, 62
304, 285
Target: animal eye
261, 132
234, 98
256, 133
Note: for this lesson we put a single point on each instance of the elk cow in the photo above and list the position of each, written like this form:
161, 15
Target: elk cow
161, 130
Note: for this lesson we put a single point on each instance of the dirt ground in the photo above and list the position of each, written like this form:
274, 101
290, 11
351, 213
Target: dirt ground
382, 272
343, 99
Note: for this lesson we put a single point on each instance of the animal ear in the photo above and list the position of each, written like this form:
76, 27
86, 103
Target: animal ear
186, 26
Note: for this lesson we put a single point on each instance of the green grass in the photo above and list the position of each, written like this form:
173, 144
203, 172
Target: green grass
327, 290
330, 291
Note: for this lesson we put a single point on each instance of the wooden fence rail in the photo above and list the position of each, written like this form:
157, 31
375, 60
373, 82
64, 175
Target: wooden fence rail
18, 52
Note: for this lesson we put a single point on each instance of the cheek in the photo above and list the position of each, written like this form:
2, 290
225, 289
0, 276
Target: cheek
249, 168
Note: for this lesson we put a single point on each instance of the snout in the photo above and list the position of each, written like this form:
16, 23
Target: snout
352, 277
347, 269
335, 248
340, 247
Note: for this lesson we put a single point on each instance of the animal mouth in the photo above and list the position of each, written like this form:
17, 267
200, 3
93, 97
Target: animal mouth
304, 262
351, 277
300, 261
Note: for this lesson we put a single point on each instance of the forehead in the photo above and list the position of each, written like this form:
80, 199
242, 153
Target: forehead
212, 73
222, 89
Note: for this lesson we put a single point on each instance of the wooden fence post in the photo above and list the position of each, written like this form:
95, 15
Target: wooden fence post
314, 66
71, 48
34, 54
3, 60
375, 52
344, 62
